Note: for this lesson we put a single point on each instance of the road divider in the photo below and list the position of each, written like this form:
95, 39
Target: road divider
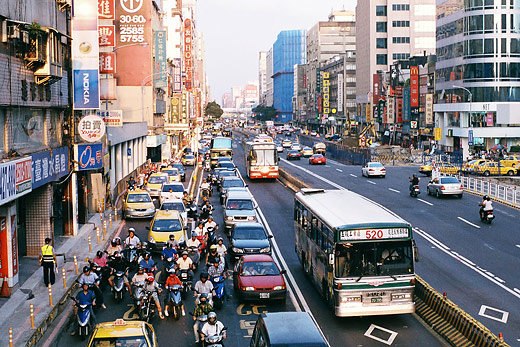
290, 181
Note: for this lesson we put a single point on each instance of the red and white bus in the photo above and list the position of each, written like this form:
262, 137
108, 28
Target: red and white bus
261, 160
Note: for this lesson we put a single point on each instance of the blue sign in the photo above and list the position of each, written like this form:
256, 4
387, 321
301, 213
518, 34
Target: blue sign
129, 151
86, 89
160, 59
90, 157
49, 166
470, 138
406, 105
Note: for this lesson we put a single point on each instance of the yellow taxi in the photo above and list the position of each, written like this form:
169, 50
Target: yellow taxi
173, 174
426, 169
470, 166
512, 161
155, 182
123, 333
494, 168
138, 204
448, 168
307, 152
162, 226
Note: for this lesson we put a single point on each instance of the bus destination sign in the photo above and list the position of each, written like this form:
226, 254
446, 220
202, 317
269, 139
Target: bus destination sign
373, 234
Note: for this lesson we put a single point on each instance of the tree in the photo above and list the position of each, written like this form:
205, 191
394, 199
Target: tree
264, 113
213, 110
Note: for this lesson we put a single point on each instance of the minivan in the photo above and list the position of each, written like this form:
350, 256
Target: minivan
239, 208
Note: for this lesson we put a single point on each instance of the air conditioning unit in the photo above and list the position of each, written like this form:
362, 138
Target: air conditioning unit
13, 32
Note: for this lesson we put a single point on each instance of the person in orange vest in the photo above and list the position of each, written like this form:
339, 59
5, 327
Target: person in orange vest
48, 261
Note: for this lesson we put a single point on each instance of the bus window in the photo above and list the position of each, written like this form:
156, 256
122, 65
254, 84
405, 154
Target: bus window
319, 235
314, 228
395, 258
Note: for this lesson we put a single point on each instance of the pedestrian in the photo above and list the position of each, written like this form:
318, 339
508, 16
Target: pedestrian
48, 261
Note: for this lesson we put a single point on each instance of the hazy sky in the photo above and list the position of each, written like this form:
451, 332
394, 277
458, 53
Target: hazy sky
236, 30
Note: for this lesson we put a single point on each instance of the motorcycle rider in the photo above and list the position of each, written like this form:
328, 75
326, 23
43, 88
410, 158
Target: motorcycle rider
172, 280
91, 279
186, 199
205, 186
139, 279
84, 297
221, 248
210, 224
217, 269
203, 286
212, 256
131, 183
414, 181
114, 247
100, 259
194, 243
174, 242
213, 327
147, 263
185, 263
153, 287
203, 308
118, 264
205, 210
199, 230
485, 205
132, 239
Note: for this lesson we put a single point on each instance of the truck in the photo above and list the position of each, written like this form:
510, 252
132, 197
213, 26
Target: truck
220, 147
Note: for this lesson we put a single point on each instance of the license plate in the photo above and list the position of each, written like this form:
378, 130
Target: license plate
376, 300
264, 295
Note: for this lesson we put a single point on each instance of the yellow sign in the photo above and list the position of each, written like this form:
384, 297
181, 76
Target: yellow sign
438, 134
369, 114
325, 75
369, 142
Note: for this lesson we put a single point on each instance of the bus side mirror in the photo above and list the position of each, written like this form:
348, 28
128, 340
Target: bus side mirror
331, 259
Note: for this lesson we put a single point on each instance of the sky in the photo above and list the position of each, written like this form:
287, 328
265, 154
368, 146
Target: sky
236, 30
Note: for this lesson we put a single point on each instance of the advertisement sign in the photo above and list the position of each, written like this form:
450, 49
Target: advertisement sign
399, 110
175, 109
106, 9
107, 35
326, 95
429, 109
470, 138
489, 119
317, 99
390, 111
91, 128
177, 75
438, 134
160, 59
85, 55
4, 251
414, 89
340, 92
112, 118
188, 56
107, 62
368, 112
89, 157
406, 105
15, 179
375, 88
49, 166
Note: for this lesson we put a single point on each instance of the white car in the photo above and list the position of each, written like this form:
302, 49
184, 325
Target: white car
279, 147
175, 205
286, 143
177, 191
373, 168
296, 147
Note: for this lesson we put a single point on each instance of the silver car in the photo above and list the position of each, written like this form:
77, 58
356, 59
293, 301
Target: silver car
239, 208
448, 185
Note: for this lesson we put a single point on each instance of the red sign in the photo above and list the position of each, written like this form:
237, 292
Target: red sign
188, 55
376, 87
106, 9
489, 119
107, 35
414, 86
4, 251
399, 108
23, 172
107, 62
14, 246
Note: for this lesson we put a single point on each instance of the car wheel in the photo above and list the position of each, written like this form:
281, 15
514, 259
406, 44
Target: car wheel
437, 194
459, 196
428, 191
510, 173
486, 173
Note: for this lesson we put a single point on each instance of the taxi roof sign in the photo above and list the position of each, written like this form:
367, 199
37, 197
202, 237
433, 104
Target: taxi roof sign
119, 322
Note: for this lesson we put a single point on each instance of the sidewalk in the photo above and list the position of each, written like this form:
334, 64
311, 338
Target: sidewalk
15, 311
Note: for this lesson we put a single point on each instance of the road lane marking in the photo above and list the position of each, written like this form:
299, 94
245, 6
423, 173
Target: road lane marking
468, 222
516, 290
426, 202
518, 246
371, 182
327, 165
394, 190
339, 170
485, 308
391, 337
335, 185
353, 175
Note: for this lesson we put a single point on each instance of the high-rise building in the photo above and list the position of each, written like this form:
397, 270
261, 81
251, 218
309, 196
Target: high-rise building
288, 50
477, 74
251, 95
386, 32
262, 76
227, 100
269, 77
237, 96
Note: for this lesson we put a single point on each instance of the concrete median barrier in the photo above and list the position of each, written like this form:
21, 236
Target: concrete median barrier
290, 181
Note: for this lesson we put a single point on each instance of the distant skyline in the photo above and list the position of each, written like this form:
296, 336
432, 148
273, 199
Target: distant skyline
236, 30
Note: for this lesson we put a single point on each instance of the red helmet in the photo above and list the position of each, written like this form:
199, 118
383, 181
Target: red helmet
150, 279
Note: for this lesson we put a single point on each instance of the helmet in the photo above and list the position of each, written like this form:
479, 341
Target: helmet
117, 240
149, 278
140, 269
488, 198
220, 239
193, 234
86, 269
171, 271
213, 247
131, 230
204, 275
485, 197
212, 318
185, 253
99, 254
210, 218
171, 237
203, 297
114, 243
146, 254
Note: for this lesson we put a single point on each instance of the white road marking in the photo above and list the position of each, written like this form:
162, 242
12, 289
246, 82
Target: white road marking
426, 202
339, 170
468, 222
390, 339
483, 309
371, 182
394, 190
327, 165
353, 175
335, 185
516, 290
518, 246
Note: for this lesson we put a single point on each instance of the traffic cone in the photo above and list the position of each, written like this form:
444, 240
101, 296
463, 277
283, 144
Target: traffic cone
4, 292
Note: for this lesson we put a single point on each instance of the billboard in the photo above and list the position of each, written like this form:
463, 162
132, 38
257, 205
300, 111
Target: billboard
112, 118
177, 75
406, 105
390, 110
414, 89
49, 166
375, 88
160, 59
85, 55
340, 92
429, 109
188, 54
89, 156
15, 179
326, 95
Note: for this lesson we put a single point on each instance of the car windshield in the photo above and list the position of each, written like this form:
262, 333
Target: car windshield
179, 167
132, 341
173, 206
260, 268
171, 172
167, 225
226, 173
373, 259
446, 180
189, 157
318, 156
239, 205
249, 234
133, 198
157, 179
263, 157
176, 188
232, 183
375, 165
226, 164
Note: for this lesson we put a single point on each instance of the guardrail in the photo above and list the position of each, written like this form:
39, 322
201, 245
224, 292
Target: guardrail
504, 194
339, 152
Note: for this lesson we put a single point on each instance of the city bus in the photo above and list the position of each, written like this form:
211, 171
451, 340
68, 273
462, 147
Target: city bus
358, 254
220, 147
261, 159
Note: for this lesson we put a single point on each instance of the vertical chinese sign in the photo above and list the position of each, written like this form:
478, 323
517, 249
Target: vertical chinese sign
414, 90
326, 94
188, 56
161, 75
85, 55
428, 113
390, 110
107, 35
340, 92
106, 9
375, 88
406, 105
177, 75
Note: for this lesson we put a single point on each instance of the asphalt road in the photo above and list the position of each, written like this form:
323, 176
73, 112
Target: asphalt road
474, 263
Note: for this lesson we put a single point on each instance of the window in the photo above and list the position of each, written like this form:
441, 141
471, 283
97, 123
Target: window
381, 11
381, 59
381, 43
381, 27
400, 56
399, 39
401, 23
515, 46
27, 129
401, 7
489, 22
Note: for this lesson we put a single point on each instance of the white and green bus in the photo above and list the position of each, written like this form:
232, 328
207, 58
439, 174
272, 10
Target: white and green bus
359, 255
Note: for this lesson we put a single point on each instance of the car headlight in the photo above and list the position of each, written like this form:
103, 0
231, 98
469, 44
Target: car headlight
229, 218
238, 250
152, 240
265, 250
250, 218
129, 209
279, 288
401, 296
249, 289
347, 299
151, 210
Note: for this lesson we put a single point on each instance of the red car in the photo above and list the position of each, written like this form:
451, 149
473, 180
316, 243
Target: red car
317, 159
257, 277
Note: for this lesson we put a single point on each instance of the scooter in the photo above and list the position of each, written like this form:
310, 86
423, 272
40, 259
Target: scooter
191, 253
161, 276
414, 191
175, 302
205, 193
486, 216
84, 319
187, 283
131, 255
147, 308
102, 273
218, 287
119, 286
213, 340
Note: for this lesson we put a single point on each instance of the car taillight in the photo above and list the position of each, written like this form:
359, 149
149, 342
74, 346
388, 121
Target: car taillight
461, 186
370, 169
442, 188
383, 169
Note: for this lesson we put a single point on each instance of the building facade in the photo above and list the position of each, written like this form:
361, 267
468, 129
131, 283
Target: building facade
262, 77
269, 91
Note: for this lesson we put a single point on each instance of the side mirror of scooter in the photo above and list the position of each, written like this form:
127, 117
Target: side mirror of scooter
283, 272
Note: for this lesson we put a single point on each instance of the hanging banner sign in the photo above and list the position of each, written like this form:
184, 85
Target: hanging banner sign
160, 59
414, 89
188, 54
91, 128
107, 35
106, 9
177, 75
112, 118
429, 109
390, 114
406, 105
15, 179
89, 157
49, 166
107, 62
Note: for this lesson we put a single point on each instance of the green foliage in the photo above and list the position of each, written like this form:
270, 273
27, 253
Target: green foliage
264, 113
213, 110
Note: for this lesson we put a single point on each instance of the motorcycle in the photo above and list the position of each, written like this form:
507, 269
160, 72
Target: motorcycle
414, 191
131, 255
187, 283
169, 264
192, 211
213, 340
207, 165
486, 216
192, 254
212, 236
175, 302
119, 286
147, 308
102, 273
219, 288
84, 319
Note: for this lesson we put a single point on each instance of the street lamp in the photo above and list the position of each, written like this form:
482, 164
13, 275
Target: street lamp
142, 87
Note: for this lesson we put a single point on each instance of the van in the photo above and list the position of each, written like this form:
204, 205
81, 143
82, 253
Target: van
239, 208
286, 329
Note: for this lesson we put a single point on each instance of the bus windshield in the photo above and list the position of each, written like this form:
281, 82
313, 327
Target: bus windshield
263, 157
374, 259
